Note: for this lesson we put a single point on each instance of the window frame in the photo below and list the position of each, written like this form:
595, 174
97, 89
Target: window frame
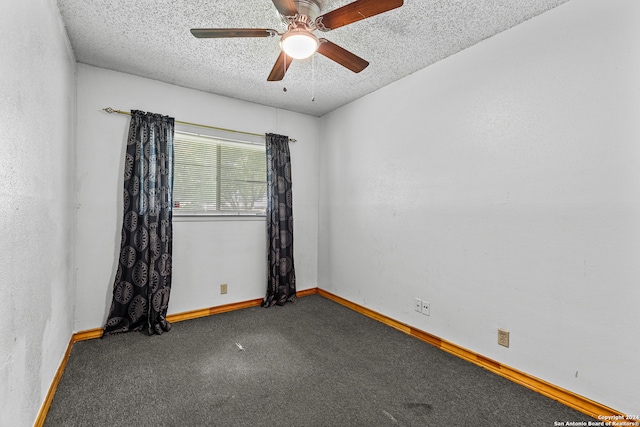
229, 137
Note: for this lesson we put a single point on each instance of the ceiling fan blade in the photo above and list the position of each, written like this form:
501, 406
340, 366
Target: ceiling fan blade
280, 67
342, 56
356, 11
232, 32
286, 7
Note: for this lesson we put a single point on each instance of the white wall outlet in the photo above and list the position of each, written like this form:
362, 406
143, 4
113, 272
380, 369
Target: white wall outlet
223, 288
426, 308
418, 305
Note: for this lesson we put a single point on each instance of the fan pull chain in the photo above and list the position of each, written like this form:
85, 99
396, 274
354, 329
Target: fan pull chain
284, 62
313, 78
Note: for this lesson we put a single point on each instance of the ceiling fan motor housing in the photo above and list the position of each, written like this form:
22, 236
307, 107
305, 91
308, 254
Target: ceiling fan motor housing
310, 8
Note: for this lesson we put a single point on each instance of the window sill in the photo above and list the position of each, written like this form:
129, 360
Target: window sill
214, 218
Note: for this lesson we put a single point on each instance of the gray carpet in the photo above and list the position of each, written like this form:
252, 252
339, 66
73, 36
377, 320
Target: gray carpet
313, 363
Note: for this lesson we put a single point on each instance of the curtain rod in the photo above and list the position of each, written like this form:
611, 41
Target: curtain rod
111, 110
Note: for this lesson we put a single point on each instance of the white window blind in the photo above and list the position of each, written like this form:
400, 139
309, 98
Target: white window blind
217, 176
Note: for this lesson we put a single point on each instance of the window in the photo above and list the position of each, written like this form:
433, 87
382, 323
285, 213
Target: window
218, 176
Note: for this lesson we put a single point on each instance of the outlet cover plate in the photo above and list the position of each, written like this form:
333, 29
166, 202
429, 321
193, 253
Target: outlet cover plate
503, 337
426, 308
418, 305
223, 288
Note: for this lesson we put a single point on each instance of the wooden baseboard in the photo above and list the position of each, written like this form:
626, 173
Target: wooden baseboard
187, 315
178, 317
307, 292
44, 409
194, 314
566, 397
87, 335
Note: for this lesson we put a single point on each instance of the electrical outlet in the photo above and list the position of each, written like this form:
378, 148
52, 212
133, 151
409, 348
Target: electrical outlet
503, 337
426, 308
418, 305
223, 288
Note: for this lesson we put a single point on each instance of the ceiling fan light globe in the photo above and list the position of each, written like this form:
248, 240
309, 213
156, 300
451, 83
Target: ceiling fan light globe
299, 45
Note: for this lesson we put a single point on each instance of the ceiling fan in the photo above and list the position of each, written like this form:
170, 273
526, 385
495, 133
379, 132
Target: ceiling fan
302, 18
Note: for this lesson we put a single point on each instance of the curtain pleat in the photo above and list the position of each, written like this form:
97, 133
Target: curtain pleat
281, 275
143, 278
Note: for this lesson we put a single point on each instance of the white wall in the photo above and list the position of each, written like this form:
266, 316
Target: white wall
503, 186
37, 92
206, 254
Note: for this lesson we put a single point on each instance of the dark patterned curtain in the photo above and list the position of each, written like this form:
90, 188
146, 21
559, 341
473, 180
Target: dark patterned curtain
281, 278
143, 279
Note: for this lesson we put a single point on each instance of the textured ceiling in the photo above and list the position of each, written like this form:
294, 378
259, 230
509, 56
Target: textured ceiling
151, 38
